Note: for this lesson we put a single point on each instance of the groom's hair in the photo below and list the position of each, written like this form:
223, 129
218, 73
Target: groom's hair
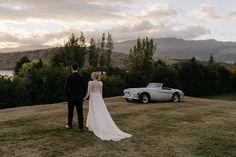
74, 67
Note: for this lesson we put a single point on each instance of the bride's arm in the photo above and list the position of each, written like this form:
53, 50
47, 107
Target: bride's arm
88, 91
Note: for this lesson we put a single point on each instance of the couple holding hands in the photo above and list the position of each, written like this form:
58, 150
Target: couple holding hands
99, 120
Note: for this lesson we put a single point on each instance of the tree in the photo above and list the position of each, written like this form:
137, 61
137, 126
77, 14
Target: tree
20, 63
60, 57
82, 43
148, 48
103, 42
211, 60
165, 74
93, 54
82, 40
192, 77
102, 55
40, 63
73, 52
110, 47
140, 62
141, 56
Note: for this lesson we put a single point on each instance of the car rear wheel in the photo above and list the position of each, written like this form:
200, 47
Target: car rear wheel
144, 98
175, 97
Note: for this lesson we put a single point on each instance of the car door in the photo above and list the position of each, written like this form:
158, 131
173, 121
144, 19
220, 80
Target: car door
161, 95
166, 93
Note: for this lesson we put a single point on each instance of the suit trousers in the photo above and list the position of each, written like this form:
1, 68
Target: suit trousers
79, 109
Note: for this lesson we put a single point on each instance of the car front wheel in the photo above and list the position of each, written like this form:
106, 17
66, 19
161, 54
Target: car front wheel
144, 98
175, 97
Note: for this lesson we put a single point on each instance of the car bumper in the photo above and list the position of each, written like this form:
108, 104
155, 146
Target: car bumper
131, 96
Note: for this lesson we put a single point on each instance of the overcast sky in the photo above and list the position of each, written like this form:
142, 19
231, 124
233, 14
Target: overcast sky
38, 23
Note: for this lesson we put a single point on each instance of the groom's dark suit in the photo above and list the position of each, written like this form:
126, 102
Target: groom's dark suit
75, 90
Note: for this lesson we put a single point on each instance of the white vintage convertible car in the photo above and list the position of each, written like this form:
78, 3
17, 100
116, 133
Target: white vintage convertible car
153, 91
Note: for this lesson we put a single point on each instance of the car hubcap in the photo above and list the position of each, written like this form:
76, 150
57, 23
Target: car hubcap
145, 99
176, 98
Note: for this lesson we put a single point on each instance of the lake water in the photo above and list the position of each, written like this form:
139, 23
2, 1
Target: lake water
6, 72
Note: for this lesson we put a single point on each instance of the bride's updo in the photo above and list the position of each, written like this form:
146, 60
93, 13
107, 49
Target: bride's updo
95, 75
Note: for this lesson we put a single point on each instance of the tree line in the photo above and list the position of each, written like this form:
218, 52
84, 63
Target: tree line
41, 82
74, 51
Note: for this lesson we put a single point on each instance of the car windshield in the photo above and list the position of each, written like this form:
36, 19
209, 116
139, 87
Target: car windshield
154, 85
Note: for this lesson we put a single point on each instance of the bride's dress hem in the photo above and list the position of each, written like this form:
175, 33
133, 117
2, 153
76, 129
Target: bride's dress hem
99, 120
113, 139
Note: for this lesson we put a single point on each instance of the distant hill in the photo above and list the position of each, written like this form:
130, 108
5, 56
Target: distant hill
24, 48
185, 49
171, 49
8, 60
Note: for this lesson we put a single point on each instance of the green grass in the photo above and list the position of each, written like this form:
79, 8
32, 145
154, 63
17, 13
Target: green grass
217, 141
193, 128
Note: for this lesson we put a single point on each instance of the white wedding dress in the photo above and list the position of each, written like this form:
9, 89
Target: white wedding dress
99, 120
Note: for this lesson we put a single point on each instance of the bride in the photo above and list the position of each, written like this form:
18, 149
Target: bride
99, 120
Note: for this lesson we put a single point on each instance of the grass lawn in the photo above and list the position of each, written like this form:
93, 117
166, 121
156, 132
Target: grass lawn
229, 97
193, 128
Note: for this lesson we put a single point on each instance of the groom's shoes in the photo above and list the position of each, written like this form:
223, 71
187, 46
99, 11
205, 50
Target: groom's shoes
68, 127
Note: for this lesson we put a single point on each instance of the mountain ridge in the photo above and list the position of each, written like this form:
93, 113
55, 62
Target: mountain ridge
166, 47
185, 49
8, 60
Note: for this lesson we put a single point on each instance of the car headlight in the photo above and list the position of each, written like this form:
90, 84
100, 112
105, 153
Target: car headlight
135, 92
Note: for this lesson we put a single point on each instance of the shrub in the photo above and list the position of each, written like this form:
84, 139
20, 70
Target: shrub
166, 74
112, 86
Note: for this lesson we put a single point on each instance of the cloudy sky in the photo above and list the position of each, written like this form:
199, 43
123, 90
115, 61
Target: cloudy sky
31, 24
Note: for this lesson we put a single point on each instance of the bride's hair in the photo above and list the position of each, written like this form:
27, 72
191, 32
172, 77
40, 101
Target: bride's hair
96, 75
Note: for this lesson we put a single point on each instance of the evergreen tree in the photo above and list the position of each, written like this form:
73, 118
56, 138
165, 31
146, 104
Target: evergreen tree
148, 49
110, 47
93, 54
103, 41
141, 56
60, 57
40, 63
82, 40
211, 60
102, 57
82, 43
20, 63
73, 52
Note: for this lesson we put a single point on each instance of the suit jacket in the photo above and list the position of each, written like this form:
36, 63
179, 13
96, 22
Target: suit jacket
75, 88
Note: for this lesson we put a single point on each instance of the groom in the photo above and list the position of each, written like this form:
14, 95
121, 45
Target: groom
75, 90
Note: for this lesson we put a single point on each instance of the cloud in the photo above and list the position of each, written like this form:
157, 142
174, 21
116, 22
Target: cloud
205, 13
133, 31
40, 38
41, 23
65, 10
232, 14
6, 37
120, 32
161, 30
158, 10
